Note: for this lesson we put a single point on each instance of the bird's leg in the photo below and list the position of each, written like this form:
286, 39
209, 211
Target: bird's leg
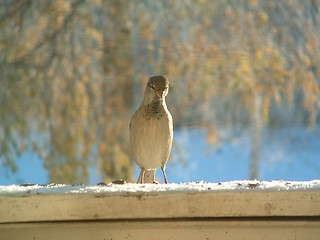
141, 176
163, 168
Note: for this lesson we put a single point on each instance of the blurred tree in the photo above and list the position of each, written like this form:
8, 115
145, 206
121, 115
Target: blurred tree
117, 92
59, 96
72, 74
228, 64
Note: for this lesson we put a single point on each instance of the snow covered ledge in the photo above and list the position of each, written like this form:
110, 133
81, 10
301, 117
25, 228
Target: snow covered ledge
228, 210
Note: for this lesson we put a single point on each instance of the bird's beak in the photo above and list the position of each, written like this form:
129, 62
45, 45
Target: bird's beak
159, 93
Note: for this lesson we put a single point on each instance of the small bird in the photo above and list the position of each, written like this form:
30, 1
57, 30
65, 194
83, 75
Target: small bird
151, 130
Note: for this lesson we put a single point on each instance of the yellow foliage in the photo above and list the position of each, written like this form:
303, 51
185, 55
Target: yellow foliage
259, 54
307, 61
146, 33
102, 148
229, 12
262, 18
96, 35
244, 67
265, 108
253, 3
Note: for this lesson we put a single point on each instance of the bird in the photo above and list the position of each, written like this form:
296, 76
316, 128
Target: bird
151, 130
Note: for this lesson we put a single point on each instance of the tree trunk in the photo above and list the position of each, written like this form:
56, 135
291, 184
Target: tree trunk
256, 132
117, 89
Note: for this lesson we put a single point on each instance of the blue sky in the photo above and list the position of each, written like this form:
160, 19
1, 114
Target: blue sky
287, 154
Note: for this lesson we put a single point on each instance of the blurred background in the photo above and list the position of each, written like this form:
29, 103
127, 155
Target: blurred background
244, 92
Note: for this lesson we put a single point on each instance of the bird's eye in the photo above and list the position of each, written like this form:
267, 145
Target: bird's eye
151, 85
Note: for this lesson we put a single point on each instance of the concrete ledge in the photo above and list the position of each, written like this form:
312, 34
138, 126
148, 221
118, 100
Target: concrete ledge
143, 230
79, 207
240, 210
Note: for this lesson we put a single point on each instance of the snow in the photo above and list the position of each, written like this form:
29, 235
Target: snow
131, 188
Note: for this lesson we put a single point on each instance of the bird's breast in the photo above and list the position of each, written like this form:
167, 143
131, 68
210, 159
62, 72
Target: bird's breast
153, 110
151, 137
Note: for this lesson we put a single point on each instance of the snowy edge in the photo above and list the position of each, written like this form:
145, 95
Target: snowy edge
131, 188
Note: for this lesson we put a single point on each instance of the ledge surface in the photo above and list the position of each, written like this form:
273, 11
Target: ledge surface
174, 230
148, 201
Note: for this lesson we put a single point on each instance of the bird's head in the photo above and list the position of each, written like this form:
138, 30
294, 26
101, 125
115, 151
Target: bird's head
158, 86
